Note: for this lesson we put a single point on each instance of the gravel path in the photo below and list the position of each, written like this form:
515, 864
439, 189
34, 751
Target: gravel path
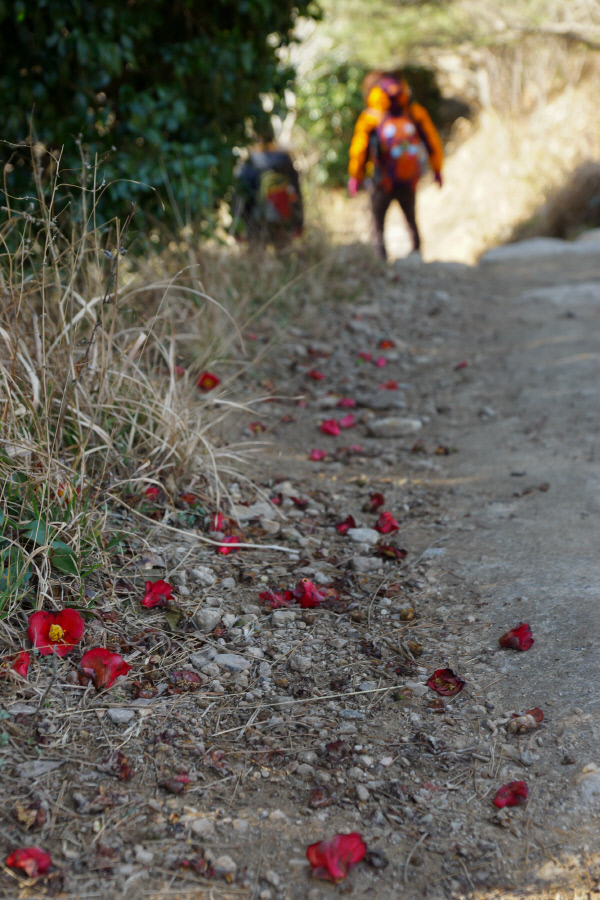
307, 722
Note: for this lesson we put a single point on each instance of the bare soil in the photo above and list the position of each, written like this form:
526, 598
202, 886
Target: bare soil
328, 725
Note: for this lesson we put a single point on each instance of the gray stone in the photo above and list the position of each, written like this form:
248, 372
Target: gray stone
203, 575
364, 563
256, 511
281, 617
202, 828
393, 426
199, 660
273, 878
232, 662
418, 689
352, 714
211, 669
364, 536
367, 686
307, 756
264, 668
207, 619
120, 716
382, 400
223, 866
227, 584
347, 728
362, 792
143, 856
305, 770
300, 663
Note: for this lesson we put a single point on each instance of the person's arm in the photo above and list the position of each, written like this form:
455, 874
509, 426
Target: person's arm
429, 136
359, 148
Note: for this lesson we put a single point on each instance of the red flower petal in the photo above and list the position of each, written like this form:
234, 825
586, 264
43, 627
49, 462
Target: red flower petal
461, 365
307, 594
208, 380
333, 859
390, 551
536, 713
346, 403
223, 549
374, 503
445, 682
55, 633
386, 523
158, 593
152, 492
103, 667
512, 794
380, 362
315, 375
317, 455
518, 638
366, 357
257, 427
346, 525
347, 421
331, 427
33, 860
389, 386
218, 522
276, 599
21, 663
386, 344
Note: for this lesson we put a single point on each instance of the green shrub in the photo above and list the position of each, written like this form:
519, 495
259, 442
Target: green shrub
157, 91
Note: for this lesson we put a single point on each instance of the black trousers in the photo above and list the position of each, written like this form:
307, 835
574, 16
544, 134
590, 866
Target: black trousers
380, 202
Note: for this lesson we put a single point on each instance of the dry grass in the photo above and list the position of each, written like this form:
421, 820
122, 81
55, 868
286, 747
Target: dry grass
100, 350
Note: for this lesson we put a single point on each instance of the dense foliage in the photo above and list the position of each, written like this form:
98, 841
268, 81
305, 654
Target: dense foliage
158, 91
329, 106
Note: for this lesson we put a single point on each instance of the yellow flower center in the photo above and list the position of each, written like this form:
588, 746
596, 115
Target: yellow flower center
55, 633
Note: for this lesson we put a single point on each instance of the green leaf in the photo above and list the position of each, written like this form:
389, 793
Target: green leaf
63, 558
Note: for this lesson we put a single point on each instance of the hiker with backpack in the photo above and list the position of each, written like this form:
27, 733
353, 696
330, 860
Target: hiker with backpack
268, 199
394, 139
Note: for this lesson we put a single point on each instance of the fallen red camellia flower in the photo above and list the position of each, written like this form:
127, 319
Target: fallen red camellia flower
223, 549
183, 681
365, 357
276, 599
208, 380
315, 375
386, 344
333, 859
346, 403
512, 794
518, 638
218, 522
345, 526
461, 365
103, 667
188, 497
20, 663
175, 785
386, 523
158, 593
380, 362
331, 427
347, 421
374, 502
33, 860
152, 492
389, 386
317, 455
445, 682
307, 594
257, 427
55, 633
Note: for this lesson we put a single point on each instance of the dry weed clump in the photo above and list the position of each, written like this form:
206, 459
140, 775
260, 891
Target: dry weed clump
101, 346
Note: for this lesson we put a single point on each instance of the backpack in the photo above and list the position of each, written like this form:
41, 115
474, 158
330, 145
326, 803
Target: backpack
400, 155
277, 199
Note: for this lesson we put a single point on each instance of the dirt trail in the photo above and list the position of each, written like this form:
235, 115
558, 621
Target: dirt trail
497, 495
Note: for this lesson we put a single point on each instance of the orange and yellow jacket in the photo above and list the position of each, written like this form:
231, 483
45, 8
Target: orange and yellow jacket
378, 104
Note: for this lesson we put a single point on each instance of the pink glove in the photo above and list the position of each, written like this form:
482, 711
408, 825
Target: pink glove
353, 186
438, 178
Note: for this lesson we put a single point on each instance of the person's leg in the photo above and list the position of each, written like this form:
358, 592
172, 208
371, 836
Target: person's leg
406, 197
380, 201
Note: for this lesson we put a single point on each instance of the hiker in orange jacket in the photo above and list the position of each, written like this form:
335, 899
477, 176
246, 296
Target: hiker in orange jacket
393, 138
